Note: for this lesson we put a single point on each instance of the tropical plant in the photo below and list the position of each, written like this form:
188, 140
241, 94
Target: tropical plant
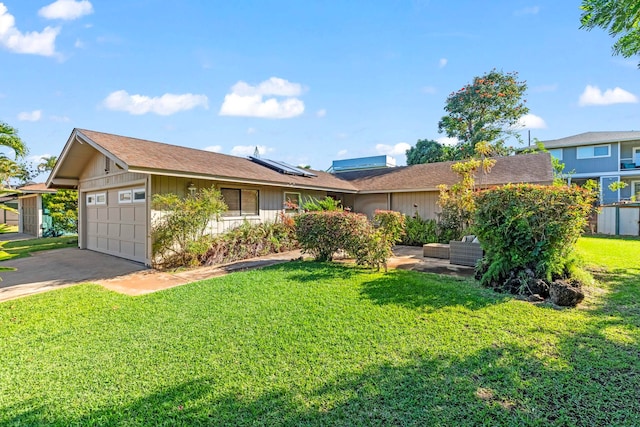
63, 209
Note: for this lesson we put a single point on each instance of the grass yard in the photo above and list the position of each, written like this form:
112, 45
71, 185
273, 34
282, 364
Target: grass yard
319, 344
22, 248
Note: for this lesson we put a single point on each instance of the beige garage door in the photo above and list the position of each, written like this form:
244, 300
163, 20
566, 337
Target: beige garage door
116, 222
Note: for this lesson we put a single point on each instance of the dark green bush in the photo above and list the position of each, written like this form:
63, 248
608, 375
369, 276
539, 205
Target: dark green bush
418, 231
529, 228
326, 204
391, 224
322, 234
251, 240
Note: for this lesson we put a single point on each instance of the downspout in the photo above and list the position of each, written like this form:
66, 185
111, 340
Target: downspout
617, 220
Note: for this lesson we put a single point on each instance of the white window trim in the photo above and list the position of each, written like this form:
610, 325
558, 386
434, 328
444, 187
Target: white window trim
138, 190
91, 199
122, 193
634, 150
593, 147
560, 150
98, 196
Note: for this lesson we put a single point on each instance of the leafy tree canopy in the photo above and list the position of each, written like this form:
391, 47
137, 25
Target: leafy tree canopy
426, 151
487, 109
620, 18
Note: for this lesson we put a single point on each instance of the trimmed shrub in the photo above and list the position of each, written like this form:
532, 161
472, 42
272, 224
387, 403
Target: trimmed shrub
251, 240
326, 204
323, 233
528, 232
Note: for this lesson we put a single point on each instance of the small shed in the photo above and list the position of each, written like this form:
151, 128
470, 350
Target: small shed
619, 219
31, 214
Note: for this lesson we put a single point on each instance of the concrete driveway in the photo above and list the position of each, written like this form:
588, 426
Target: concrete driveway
46, 270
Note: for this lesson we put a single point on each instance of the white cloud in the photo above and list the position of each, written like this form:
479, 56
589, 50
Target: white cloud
446, 140
592, 95
321, 113
531, 121
443, 62
532, 10
30, 116
247, 101
393, 150
66, 9
35, 43
249, 150
251, 131
213, 148
164, 105
342, 153
38, 158
61, 119
78, 44
429, 90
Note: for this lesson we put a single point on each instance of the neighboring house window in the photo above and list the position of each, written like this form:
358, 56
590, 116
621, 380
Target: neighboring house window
139, 195
240, 202
91, 199
593, 151
124, 196
635, 190
636, 155
556, 153
101, 199
292, 202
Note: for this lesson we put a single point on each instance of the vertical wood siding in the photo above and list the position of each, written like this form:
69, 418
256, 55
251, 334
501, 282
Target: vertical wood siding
424, 202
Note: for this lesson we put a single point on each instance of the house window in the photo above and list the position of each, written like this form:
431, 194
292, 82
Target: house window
594, 151
292, 202
240, 202
636, 156
139, 195
124, 196
91, 199
101, 199
635, 191
556, 153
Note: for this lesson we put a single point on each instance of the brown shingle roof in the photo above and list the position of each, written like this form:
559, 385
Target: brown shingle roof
532, 168
149, 156
40, 187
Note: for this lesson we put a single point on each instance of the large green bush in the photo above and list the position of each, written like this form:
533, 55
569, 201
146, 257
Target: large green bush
418, 231
529, 228
324, 233
63, 209
179, 231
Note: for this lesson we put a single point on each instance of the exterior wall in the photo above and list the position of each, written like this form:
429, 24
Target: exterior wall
595, 165
8, 217
424, 203
627, 218
270, 199
627, 152
368, 203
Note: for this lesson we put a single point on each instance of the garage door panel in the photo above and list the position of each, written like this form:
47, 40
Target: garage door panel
117, 228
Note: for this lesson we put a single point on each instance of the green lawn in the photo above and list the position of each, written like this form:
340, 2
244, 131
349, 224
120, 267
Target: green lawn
22, 248
319, 344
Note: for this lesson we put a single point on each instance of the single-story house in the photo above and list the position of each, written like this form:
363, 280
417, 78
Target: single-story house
31, 214
117, 176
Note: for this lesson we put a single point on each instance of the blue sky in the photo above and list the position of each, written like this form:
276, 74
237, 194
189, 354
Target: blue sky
306, 81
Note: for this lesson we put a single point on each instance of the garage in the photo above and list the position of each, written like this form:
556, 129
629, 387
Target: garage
116, 222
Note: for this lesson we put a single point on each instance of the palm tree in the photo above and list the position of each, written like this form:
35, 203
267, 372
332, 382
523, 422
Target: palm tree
9, 138
47, 163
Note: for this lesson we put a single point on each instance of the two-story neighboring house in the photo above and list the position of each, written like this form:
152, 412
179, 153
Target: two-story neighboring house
606, 157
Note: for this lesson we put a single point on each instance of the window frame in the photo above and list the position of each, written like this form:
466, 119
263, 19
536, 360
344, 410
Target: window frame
593, 151
122, 193
284, 202
138, 190
557, 150
103, 196
90, 199
240, 211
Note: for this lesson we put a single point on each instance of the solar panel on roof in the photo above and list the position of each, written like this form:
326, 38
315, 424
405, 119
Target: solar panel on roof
282, 167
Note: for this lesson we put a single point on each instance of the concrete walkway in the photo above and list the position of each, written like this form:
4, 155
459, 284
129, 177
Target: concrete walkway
58, 268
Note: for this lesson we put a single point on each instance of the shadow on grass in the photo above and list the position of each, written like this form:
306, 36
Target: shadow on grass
313, 271
414, 290
499, 386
